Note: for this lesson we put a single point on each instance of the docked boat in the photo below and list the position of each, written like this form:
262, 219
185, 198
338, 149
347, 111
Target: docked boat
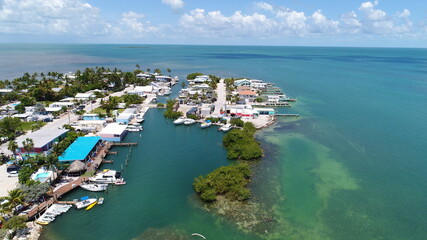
94, 187
107, 176
85, 202
120, 183
189, 121
167, 92
225, 128
206, 124
100, 200
134, 128
139, 118
52, 212
179, 121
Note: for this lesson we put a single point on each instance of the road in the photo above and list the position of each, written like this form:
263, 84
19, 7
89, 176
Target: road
221, 97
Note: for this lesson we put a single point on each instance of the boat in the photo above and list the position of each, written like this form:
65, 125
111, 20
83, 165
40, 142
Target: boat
179, 121
134, 128
206, 124
139, 119
94, 187
225, 128
40, 222
106, 176
100, 200
91, 206
84, 202
166, 92
52, 212
120, 183
189, 121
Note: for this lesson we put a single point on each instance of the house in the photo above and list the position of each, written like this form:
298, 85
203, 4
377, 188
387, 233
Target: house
202, 79
143, 75
142, 90
85, 96
163, 78
126, 116
43, 140
82, 149
114, 132
242, 82
62, 104
89, 125
5, 90
247, 95
258, 84
243, 88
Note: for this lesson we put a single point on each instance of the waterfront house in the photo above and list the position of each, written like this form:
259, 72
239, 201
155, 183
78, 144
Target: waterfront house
163, 78
258, 84
43, 140
82, 149
242, 82
142, 90
247, 95
126, 116
113, 132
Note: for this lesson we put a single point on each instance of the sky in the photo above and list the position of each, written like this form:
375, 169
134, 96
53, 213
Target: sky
359, 23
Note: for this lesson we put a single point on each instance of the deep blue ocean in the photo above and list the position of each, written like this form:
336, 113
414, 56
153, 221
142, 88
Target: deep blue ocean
353, 166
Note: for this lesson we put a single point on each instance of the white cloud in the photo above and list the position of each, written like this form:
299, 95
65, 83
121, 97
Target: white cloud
53, 17
320, 24
264, 6
174, 4
131, 25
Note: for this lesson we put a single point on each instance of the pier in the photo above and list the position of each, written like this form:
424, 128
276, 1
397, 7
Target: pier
125, 144
286, 115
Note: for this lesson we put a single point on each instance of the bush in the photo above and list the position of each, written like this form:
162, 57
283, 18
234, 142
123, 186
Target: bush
241, 144
237, 122
160, 105
230, 181
170, 113
192, 76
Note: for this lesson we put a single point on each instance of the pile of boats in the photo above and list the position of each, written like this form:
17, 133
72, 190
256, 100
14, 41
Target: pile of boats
52, 212
185, 121
100, 181
205, 124
134, 127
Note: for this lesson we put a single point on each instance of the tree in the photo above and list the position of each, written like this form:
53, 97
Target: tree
192, 76
15, 223
137, 66
168, 70
13, 146
14, 198
148, 69
34, 192
9, 127
28, 145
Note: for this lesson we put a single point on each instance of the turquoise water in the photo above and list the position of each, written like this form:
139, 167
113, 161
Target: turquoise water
352, 167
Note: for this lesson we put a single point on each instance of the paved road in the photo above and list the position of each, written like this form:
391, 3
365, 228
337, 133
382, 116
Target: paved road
221, 97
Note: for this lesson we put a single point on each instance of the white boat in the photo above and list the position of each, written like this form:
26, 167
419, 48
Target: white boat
166, 91
206, 124
134, 128
139, 119
225, 128
179, 121
94, 187
107, 176
189, 121
85, 202
100, 200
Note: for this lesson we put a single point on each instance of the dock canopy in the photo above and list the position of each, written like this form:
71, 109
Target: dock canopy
80, 149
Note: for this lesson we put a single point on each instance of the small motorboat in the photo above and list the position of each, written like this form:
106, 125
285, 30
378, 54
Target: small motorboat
84, 202
120, 182
189, 121
179, 121
100, 200
206, 124
139, 118
91, 206
94, 187
225, 128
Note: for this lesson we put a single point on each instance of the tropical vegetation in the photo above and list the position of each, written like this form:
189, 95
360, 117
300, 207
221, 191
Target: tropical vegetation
241, 144
170, 112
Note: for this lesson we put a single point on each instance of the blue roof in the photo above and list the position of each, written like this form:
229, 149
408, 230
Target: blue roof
79, 149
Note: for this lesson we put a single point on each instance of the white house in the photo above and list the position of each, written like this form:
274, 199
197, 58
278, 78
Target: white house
85, 96
242, 82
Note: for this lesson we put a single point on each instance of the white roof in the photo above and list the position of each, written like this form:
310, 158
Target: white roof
124, 115
53, 109
41, 137
114, 128
148, 88
62, 104
6, 90
84, 95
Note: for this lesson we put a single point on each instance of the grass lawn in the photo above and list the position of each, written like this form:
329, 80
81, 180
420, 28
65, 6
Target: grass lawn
26, 126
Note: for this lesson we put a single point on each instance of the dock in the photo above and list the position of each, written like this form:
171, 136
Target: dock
125, 144
286, 115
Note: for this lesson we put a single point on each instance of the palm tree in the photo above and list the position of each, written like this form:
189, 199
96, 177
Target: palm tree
13, 146
137, 66
148, 69
14, 198
28, 145
168, 70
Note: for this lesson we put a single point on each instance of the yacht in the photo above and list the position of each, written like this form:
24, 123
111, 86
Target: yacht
94, 187
139, 118
189, 121
134, 128
179, 121
85, 201
107, 176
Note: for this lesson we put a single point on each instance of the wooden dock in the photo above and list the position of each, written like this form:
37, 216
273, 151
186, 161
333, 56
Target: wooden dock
286, 115
125, 144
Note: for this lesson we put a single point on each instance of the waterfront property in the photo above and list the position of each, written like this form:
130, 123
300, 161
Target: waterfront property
126, 116
43, 140
81, 149
114, 132
265, 111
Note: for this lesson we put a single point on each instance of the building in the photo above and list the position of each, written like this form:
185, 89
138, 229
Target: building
62, 104
142, 90
5, 90
242, 82
258, 84
265, 111
247, 95
113, 132
43, 140
126, 116
82, 149
85, 96
163, 78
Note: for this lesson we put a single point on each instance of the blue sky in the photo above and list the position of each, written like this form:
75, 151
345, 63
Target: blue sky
242, 22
